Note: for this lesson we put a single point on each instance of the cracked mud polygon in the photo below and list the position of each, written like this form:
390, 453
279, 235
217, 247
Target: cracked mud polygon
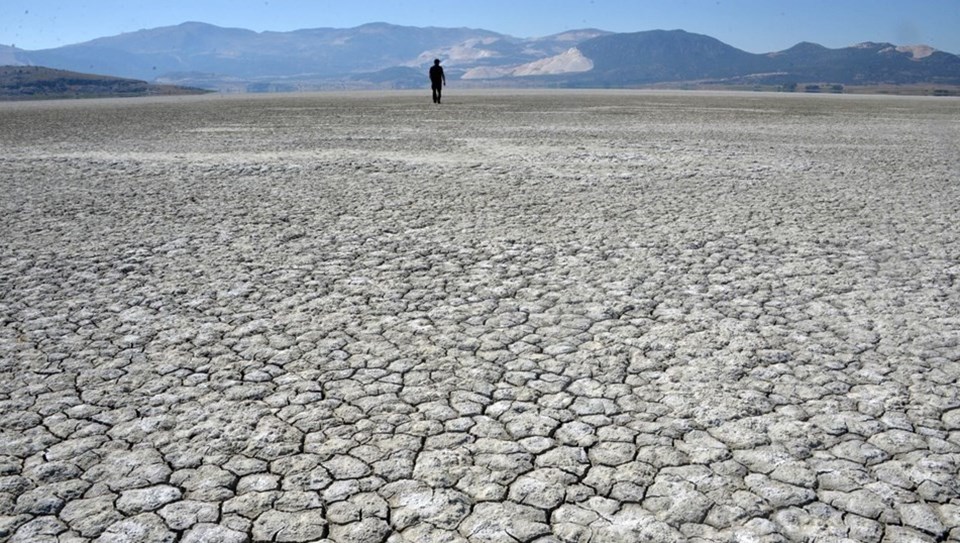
518, 316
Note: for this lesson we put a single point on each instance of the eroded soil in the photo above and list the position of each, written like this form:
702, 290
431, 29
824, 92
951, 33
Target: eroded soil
607, 316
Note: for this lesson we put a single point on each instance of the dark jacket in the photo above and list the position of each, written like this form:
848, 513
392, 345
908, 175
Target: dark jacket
436, 75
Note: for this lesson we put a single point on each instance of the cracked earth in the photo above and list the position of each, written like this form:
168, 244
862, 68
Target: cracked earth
517, 317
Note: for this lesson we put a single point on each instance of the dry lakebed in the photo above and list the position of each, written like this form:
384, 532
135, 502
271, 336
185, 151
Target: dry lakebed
519, 316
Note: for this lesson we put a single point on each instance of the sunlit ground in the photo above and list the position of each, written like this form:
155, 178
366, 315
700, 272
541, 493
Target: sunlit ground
568, 316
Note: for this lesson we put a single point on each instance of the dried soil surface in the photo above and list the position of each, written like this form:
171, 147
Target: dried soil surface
531, 317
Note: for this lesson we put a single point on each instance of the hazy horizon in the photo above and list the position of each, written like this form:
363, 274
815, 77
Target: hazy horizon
752, 25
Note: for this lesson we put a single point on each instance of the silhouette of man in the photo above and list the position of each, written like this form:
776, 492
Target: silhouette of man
437, 80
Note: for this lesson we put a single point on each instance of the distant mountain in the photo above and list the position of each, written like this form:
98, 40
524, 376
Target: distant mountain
380, 55
676, 56
31, 83
232, 52
8, 55
660, 55
868, 63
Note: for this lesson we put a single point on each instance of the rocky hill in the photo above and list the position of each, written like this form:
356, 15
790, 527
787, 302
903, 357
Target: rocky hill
32, 83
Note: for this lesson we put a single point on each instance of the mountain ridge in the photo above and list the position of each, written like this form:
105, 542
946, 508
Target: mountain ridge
372, 55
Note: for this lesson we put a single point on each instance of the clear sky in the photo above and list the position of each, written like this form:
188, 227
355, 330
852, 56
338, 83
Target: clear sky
757, 26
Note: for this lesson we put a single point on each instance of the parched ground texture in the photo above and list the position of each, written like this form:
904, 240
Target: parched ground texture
533, 317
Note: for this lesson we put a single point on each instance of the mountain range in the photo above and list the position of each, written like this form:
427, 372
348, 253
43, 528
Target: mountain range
380, 55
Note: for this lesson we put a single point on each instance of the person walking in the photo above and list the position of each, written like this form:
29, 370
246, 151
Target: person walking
437, 80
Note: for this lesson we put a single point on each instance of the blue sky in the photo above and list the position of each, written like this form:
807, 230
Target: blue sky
753, 25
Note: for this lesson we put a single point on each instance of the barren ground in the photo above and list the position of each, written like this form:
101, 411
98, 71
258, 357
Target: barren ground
534, 317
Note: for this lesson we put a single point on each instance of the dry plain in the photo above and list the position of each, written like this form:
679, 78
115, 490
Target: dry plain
518, 316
